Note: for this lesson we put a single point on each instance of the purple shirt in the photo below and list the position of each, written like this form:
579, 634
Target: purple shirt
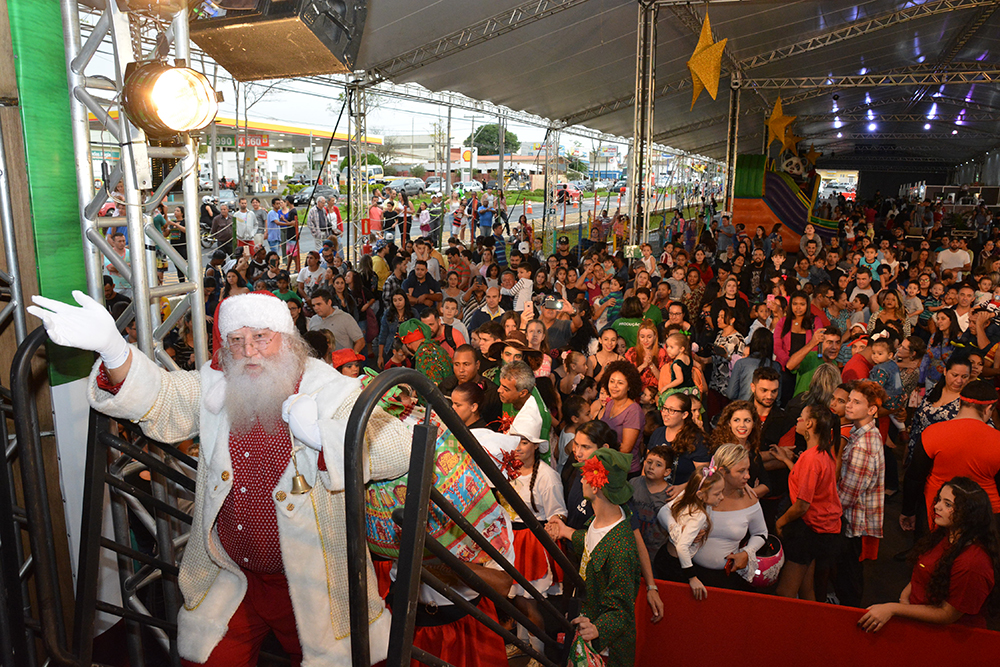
631, 417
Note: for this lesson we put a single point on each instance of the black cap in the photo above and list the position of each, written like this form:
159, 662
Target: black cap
563, 239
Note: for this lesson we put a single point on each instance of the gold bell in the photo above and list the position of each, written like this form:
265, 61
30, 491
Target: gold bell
299, 483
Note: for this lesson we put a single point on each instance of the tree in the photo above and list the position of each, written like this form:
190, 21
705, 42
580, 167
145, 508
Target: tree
367, 158
576, 164
488, 140
418, 171
388, 150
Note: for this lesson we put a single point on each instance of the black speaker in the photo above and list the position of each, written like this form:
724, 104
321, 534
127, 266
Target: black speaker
273, 39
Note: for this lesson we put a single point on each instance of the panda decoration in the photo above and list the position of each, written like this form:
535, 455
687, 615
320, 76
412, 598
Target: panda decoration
794, 167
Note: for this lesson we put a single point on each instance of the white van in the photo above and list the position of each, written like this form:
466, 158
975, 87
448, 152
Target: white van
373, 171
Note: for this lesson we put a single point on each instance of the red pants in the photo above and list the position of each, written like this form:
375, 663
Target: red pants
267, 606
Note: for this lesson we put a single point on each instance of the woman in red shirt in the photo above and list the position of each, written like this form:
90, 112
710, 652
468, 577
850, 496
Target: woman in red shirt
955, 567
810, 528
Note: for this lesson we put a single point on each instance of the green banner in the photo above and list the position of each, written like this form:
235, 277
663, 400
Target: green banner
40, 63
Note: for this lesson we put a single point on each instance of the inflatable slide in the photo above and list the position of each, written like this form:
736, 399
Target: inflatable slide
766, 195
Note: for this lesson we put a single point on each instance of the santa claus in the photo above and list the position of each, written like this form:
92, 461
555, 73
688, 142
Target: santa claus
260, 557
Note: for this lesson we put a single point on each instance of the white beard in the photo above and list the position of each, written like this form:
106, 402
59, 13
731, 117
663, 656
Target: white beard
256, 397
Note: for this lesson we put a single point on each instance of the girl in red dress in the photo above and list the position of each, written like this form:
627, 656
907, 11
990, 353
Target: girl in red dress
956, 566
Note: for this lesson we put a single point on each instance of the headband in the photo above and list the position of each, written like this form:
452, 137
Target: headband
976, 401
707, 472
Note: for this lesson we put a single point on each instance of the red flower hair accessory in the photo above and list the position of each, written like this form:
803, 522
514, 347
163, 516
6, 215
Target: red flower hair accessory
594, 473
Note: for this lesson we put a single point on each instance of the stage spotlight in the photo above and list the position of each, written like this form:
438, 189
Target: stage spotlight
165, 100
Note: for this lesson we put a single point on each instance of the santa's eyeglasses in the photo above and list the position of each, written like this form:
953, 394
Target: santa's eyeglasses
259, 339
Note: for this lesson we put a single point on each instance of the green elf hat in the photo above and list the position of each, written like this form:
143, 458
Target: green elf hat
414, 331
607, 470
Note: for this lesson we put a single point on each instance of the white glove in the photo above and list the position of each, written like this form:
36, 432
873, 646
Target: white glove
302, 415
89, 327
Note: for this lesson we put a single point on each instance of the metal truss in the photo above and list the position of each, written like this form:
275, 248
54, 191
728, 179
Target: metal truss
836, 36
961, 102
878, 80
863, 27
640, 156
550, 153
134, 175
885, 168
875, 156
957, 43
473, 35
964, 133
415, 93
897, 117
357, 102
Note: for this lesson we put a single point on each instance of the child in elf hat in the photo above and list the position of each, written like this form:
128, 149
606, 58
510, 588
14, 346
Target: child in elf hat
610, 559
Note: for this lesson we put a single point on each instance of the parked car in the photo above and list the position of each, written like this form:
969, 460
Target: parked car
584, 185
468, 186
301, 198
204, 183
619, 185
229, 198
602, 185
564, 190
492, 184
411, 186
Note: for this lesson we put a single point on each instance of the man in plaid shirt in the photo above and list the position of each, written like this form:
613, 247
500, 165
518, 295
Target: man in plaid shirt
861, 489
394, 281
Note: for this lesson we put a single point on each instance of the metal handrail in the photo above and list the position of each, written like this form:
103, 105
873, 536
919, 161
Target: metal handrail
414, 515
36, 502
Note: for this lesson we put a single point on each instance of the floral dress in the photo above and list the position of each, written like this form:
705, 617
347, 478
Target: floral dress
721, 368
693, 300
648, 376
926, 415
932, 365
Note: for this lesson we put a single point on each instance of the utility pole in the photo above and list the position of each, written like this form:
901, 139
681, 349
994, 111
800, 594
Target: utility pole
447, 159
503, 130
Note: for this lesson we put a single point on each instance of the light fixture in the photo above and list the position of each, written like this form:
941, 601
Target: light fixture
164, 100
840, 135
872, 127
954, 131
927, 126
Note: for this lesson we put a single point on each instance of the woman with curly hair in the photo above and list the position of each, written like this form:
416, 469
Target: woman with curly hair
623, 413
738, 424
647, 355
956, 566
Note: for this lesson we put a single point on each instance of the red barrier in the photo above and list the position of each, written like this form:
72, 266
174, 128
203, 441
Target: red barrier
751, 630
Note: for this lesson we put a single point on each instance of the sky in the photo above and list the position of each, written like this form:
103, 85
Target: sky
304, 102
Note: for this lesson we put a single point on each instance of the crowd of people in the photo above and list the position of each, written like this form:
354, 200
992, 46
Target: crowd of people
745, 391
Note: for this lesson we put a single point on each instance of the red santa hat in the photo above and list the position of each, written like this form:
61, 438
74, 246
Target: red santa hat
257, 310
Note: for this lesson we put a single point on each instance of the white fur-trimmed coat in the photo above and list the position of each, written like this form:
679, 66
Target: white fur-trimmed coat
172, 406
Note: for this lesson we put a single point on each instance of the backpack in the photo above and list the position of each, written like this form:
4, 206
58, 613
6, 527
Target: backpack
449, 335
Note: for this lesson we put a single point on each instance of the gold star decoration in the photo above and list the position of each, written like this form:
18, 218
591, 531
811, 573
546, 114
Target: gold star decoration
778, 123
706, 63
812, 155
790, 141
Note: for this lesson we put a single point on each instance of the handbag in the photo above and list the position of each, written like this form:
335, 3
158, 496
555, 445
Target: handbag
582, 654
